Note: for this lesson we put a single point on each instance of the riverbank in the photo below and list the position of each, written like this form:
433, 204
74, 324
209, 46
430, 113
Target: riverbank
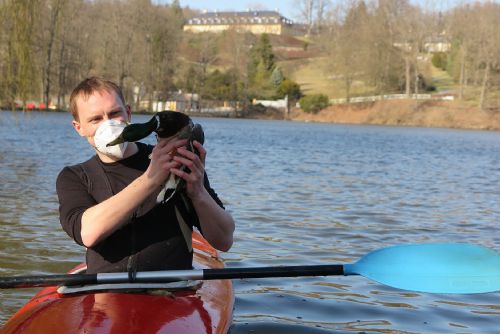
439, 114
443, 114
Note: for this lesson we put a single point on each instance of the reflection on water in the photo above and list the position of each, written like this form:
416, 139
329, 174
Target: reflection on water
302, 194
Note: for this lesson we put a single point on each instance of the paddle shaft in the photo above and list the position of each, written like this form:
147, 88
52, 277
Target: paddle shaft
286, 271
170, 276
48, 280
433, 268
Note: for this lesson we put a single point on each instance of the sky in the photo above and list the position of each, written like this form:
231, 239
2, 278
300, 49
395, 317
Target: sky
288, 8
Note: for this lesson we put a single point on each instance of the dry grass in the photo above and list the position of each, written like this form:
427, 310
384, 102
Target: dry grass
442, 80
314, 77
311, 76
407, 113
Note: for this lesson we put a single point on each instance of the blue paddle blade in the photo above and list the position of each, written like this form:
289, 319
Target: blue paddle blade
434, 268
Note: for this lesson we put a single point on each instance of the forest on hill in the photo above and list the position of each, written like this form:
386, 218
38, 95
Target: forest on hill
352, 48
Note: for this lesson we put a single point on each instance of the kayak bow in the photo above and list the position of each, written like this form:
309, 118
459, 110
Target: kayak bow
203, 307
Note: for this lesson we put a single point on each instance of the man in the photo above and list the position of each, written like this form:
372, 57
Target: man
108, 204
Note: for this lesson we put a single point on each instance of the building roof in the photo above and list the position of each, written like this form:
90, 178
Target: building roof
246, 17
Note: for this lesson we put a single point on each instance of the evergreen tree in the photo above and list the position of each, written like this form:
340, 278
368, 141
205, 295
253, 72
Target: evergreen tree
265, 52
261, 67
277, 77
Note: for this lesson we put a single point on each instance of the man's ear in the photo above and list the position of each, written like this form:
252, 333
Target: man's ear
78, 128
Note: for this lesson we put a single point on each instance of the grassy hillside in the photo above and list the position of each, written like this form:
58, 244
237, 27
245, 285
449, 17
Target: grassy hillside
442, 80
311, 71
315, 77
307, 64
310, 75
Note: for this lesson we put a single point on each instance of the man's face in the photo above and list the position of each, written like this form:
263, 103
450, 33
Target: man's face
97, 108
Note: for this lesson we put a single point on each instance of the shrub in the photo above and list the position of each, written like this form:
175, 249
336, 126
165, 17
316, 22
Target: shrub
314, 103
290, 88
440, 60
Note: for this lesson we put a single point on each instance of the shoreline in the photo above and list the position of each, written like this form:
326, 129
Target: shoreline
409, 113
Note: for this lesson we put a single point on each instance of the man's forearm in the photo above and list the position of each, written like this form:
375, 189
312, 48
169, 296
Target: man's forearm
103, 219
216, 223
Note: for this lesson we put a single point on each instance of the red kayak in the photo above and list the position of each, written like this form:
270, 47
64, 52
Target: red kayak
198, 307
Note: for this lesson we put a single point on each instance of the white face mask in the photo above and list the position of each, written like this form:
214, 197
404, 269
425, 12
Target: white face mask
107, 132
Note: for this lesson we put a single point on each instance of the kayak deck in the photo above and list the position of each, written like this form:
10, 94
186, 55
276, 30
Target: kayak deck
206, 309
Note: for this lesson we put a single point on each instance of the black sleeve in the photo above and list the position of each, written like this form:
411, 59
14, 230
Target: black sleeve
74, 199
212, 192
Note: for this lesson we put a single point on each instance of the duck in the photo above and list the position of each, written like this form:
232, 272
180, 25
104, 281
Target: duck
166, 124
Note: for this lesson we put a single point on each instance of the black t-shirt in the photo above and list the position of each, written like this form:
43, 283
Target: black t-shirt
151, 240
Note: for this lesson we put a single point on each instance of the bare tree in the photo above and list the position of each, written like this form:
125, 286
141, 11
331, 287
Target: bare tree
306, 13
399, 20
488, 38
386, 64
18, 74
411, 38
322, 7
4, 59
55, 10
235, 47
476, 36
77, 53
462, 34
349, 46
205, 52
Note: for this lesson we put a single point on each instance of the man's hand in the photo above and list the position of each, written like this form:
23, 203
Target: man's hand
162, 159
216, 224
196, 164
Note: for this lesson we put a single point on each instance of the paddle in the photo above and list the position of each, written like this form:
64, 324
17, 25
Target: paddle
434, 268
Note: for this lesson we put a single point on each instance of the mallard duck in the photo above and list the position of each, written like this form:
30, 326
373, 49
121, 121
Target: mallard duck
166, 124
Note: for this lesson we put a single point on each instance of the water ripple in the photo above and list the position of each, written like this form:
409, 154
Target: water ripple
301, 194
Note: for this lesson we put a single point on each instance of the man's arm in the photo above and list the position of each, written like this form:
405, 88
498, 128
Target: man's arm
216, 223
101, 220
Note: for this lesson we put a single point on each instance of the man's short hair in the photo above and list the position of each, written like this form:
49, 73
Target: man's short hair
87, 87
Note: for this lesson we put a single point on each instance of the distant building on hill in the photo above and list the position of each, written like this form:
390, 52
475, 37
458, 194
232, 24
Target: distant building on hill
257, 22
437, 44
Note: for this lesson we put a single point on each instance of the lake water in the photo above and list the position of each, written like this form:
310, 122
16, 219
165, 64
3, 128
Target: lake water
301, 193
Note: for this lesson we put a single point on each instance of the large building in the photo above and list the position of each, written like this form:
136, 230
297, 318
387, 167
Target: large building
257, 22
